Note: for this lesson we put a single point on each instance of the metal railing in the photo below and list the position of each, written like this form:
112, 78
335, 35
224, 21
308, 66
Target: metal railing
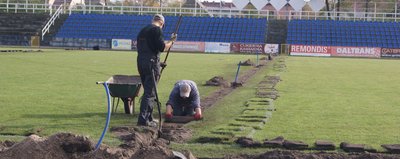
217, 12
53, 18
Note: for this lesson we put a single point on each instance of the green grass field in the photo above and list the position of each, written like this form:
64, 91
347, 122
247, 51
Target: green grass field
55, 91
337, 99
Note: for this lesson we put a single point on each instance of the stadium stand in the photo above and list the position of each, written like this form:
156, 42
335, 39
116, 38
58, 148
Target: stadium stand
19, 29
344, 33
122, 26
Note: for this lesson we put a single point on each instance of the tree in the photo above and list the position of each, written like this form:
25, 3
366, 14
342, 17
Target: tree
327, 8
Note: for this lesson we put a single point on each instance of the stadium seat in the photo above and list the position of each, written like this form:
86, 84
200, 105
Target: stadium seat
112, 26
344, 33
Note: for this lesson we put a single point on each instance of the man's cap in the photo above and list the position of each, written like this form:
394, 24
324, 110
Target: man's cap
159, 17
184, 90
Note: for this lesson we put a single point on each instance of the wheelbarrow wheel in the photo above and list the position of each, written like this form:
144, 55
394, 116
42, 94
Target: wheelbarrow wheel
128, 106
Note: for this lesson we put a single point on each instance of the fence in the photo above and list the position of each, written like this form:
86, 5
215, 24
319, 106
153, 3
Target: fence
144, 10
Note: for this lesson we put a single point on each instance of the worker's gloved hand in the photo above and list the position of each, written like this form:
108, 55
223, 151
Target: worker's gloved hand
168, 116
197, 116
162, 64
174, 37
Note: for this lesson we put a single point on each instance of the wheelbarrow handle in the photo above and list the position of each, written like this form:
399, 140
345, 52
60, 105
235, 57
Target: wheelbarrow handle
99, 82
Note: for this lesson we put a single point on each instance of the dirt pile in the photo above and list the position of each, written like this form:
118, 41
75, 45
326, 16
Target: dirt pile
217, 81
5, 145
176, 132
247, 142
139, 142
248, 62
283, 154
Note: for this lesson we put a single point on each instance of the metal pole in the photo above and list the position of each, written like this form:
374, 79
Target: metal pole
141, 8
7, 5
395, 11
220, 9
122, 6
90, 7
375, 13
26, 6
354, 16
46, 4
195, 7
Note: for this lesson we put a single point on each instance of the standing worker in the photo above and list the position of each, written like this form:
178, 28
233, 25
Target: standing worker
150, 43
184, 100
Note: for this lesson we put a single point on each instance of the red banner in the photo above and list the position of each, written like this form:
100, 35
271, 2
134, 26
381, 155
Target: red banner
247, 48
356, 51
186, 46
390, 52
307, 50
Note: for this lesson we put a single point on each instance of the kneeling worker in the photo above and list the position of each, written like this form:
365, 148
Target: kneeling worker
184, 100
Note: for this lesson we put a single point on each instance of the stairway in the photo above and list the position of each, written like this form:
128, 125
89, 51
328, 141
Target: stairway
53, 30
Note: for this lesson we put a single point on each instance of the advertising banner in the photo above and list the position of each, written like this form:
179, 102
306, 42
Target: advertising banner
121, 44
271, 48
356, 51
134, 45
186, 46
247, 48
217, 47
308, 50
390, 52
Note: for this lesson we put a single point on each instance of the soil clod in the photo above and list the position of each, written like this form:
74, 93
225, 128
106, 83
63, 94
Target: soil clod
275, 143
247, 142
394, 148
236, 84
217, 81
295, 145
352, 147
215, 140
248, 62
324, 145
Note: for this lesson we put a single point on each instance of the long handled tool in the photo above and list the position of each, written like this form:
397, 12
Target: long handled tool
236, 83
157, 99
169, 49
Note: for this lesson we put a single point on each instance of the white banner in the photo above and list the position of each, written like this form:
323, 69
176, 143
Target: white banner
217, 47
121, 44
271, 48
